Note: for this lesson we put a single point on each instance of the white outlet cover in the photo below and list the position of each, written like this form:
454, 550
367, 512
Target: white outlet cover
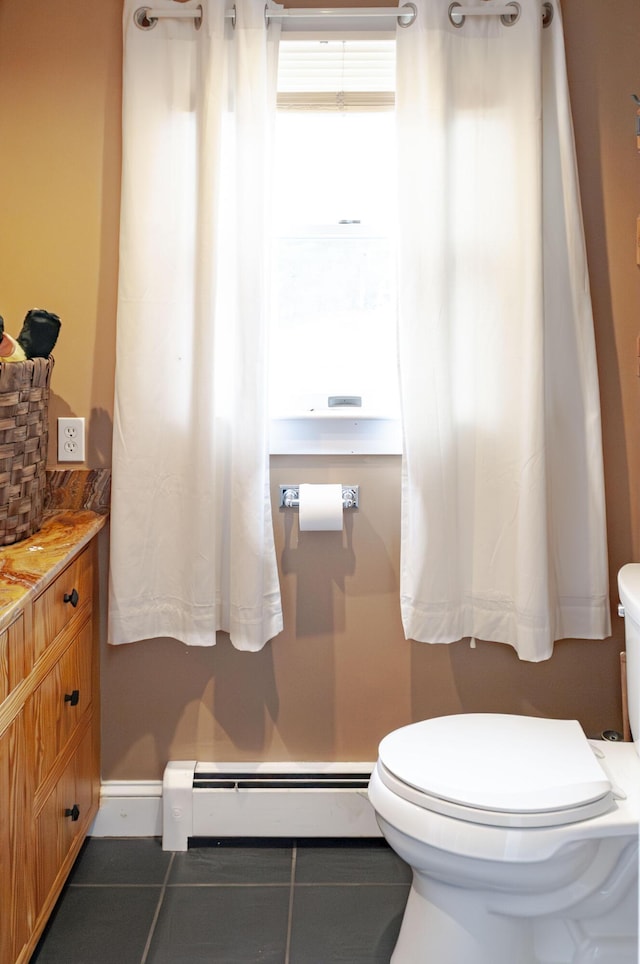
71, 439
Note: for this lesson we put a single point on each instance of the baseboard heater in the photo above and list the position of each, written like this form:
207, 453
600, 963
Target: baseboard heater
265, 800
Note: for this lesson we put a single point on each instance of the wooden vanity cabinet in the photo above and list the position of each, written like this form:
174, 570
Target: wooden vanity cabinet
49, 747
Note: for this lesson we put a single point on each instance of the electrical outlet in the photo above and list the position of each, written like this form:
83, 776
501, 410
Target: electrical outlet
70, 440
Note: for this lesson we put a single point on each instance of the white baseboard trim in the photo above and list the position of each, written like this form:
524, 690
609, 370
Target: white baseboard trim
129, 808
175, 809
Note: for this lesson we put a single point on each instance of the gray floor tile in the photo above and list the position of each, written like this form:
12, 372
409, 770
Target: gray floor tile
350, 863
99, 925
348, 924
134, 860
225, 925
229, 864
228, 903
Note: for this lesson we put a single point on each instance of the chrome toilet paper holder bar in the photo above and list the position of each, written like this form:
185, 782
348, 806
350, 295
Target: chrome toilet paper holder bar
290, 496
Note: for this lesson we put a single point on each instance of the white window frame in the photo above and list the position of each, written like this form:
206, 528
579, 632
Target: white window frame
343, 430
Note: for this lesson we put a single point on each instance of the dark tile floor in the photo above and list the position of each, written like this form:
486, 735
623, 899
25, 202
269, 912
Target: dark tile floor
228, 902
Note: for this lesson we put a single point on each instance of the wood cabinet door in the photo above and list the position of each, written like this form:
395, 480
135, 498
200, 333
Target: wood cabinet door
17, 910
63, 820
59, 703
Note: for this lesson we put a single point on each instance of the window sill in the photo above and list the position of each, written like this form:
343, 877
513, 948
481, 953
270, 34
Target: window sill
335, 433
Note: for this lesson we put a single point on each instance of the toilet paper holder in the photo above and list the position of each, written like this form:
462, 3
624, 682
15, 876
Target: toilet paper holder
290, 496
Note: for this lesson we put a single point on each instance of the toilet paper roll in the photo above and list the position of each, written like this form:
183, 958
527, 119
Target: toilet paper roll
320, 507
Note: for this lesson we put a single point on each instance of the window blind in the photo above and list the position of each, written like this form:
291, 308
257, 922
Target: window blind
336, 74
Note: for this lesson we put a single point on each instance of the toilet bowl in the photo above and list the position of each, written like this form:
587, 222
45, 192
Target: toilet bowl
522, 834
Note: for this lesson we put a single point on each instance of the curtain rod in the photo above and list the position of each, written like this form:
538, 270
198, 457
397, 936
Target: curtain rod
406, 14
509, 13
146, 17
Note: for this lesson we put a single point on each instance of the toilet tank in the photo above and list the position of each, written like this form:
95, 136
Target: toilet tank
629, 589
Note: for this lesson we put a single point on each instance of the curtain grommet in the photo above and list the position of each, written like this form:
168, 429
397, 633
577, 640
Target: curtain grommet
547, 14
407, 14
142, 19
509, 19
456, 23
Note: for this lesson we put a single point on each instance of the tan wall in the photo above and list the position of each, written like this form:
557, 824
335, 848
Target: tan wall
341, 674
60, 66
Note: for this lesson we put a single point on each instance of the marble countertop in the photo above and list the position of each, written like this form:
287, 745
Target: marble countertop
28, 566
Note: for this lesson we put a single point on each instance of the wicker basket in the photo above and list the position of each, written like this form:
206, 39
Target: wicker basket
24, 433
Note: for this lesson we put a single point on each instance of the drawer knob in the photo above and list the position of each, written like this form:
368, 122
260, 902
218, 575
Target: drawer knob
72, 698
72, 597
73, 812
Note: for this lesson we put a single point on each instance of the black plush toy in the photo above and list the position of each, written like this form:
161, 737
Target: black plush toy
39, 333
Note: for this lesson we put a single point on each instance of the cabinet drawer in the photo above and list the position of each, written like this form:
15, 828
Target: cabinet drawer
64, 818
64, 598
15, 660
60, 702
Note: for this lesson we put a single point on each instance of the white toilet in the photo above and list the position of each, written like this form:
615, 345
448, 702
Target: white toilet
522, 834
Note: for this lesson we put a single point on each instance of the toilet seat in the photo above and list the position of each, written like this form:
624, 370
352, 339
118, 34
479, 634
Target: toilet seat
497, 769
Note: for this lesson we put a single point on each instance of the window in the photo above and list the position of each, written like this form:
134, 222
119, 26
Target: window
333, 333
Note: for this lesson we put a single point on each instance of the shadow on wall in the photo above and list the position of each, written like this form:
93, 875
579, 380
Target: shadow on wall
180, 699
580, 681
58, 408
319, 562
98, 431
99, 437
327, 569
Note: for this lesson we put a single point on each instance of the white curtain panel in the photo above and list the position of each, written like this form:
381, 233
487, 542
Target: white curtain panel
503, 519
192, 547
